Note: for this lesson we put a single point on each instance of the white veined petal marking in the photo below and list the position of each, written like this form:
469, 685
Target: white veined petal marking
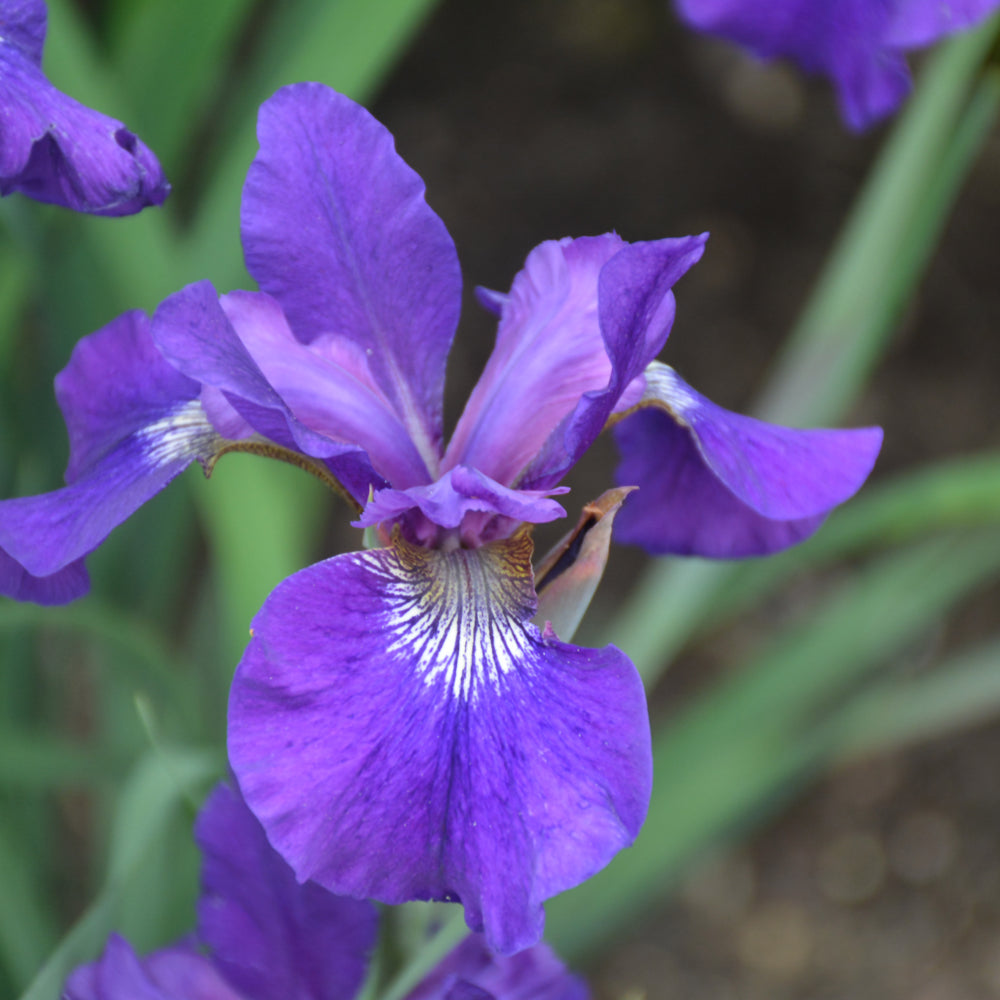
461, 617
184, 433
663, 385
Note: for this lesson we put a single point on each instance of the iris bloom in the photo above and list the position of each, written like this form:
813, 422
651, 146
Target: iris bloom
858, 44
55, 149
263, 936
397, 723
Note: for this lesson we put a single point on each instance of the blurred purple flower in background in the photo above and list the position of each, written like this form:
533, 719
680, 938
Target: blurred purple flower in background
263, 936
56, 150
398, 724
858, 44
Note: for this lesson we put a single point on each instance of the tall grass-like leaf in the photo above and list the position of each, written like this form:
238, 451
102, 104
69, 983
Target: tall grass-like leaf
160, 784
960, 493
26, 930
735, 750
962, 691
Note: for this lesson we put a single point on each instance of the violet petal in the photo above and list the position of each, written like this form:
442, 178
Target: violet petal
134, 424
458, 492
270, 936
533, 974
56, 150
549, 352
916, 23
470, 757
175, 973
336, 228
717, 484
845, 40
636, 310
193, 332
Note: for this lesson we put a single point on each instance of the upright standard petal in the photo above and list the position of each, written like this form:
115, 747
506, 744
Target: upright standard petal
636, 309
472, 970
403, 732
336, 228
134, 424
193, 332
549, 352
716, 484
270, 936
56, 150
582, 319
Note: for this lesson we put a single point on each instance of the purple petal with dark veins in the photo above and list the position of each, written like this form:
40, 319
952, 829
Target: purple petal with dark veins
636, 308
176, 973
134, 424
458, 492
716, 484
549, 351
56, 150
270, 936
403, 732
193, 332
533, 974
336, 228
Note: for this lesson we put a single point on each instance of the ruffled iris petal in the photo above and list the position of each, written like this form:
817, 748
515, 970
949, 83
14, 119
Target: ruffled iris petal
134, 424
533, 974
582, 320
270, 936
458, 492
636, 311
717, 484
336, 228
176, 973
193, 332
549, 352
55, 149
403, 732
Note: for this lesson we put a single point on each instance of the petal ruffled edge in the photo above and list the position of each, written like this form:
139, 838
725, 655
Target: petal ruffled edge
475, 759
336, 227
56, 150
636, 307
192, 331
134, 424
717, 484
269, 935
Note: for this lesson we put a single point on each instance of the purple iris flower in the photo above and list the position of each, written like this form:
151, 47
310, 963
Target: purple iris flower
858, 44
56, 150
398, 724
264, 936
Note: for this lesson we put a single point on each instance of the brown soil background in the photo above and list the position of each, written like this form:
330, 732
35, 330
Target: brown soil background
532, 120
